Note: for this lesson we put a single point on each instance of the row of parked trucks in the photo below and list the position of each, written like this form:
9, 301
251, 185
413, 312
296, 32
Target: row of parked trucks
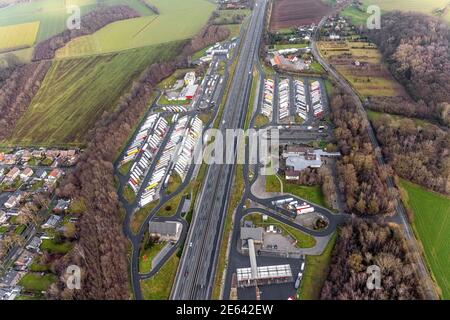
294, 205
175, 109
283, 95
135, 147
267, 107
162, 166
188, 146
151, 144
302, 108
316, 99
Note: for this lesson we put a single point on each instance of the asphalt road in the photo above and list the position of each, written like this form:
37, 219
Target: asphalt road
196, 273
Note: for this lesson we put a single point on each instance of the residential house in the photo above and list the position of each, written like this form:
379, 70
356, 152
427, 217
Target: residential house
37, 154
3, 217
12, 174
40, 174
51, 222
61, 206
10, 159
26, 156
9, 293
26, 173
11, 202
54, 175
23, 262
52, 154
34, 244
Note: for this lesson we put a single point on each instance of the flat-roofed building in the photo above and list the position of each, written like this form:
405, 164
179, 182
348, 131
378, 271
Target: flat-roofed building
168, 231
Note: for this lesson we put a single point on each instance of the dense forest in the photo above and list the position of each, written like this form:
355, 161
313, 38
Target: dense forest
101, 250
362, 179
419, 153
417, 49
90, 23
18, 85
362, 244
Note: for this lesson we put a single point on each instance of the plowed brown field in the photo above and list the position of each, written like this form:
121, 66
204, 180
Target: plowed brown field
294, 13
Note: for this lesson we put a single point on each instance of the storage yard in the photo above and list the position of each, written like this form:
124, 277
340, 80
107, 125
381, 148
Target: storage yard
293, 101
156, 171
147, 174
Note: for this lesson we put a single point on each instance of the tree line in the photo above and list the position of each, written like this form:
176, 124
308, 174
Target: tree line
152, 7
361, 244
18, 86
417, 49
89, 23
362, 179
101, 249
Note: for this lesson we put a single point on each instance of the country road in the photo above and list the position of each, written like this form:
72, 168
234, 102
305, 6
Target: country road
400, 217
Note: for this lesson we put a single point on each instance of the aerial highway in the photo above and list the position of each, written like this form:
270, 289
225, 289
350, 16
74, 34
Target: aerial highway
196, 272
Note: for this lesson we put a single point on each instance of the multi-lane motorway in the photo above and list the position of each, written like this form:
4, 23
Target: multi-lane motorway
196, 272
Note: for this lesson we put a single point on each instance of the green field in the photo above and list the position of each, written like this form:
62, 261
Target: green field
309, 193
316, 272
432, 224
178, 20
146, 257
52, 247
18, 35
438, 8
36, 282
226, 16
52, 14
75, 93
159, 286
